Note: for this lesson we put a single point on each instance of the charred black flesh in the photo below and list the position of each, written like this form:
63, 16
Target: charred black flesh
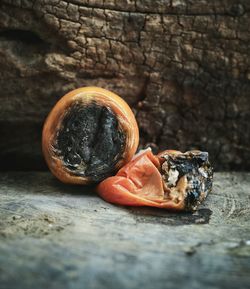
89, 141
188, 176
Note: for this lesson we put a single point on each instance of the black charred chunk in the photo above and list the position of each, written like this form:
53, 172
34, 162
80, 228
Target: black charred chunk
195, 166
89, 141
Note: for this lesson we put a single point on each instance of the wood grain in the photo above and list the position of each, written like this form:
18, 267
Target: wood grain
58, 236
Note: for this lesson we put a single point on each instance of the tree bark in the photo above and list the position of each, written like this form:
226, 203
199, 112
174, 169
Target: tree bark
182, 65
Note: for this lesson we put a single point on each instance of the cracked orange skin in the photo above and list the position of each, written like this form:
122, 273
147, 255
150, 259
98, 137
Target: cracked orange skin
85, 95
139, 183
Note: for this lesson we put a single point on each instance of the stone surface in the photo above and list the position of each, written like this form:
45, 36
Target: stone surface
182, 65
58, 236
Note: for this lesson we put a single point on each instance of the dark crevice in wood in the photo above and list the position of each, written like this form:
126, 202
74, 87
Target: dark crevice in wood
25, 36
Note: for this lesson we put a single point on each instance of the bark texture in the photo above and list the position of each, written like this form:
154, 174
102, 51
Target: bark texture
182, 65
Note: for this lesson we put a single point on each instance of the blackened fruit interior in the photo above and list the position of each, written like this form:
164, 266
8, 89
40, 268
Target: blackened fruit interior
194, 166
89, 141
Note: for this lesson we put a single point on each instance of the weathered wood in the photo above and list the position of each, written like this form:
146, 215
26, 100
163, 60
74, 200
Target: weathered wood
57, 236
182, 65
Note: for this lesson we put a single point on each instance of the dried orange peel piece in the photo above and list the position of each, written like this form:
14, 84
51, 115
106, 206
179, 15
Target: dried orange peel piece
170, 180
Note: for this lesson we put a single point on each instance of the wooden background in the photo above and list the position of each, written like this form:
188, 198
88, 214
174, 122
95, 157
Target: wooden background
182, 65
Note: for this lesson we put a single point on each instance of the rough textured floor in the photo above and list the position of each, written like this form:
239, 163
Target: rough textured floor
57, 236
